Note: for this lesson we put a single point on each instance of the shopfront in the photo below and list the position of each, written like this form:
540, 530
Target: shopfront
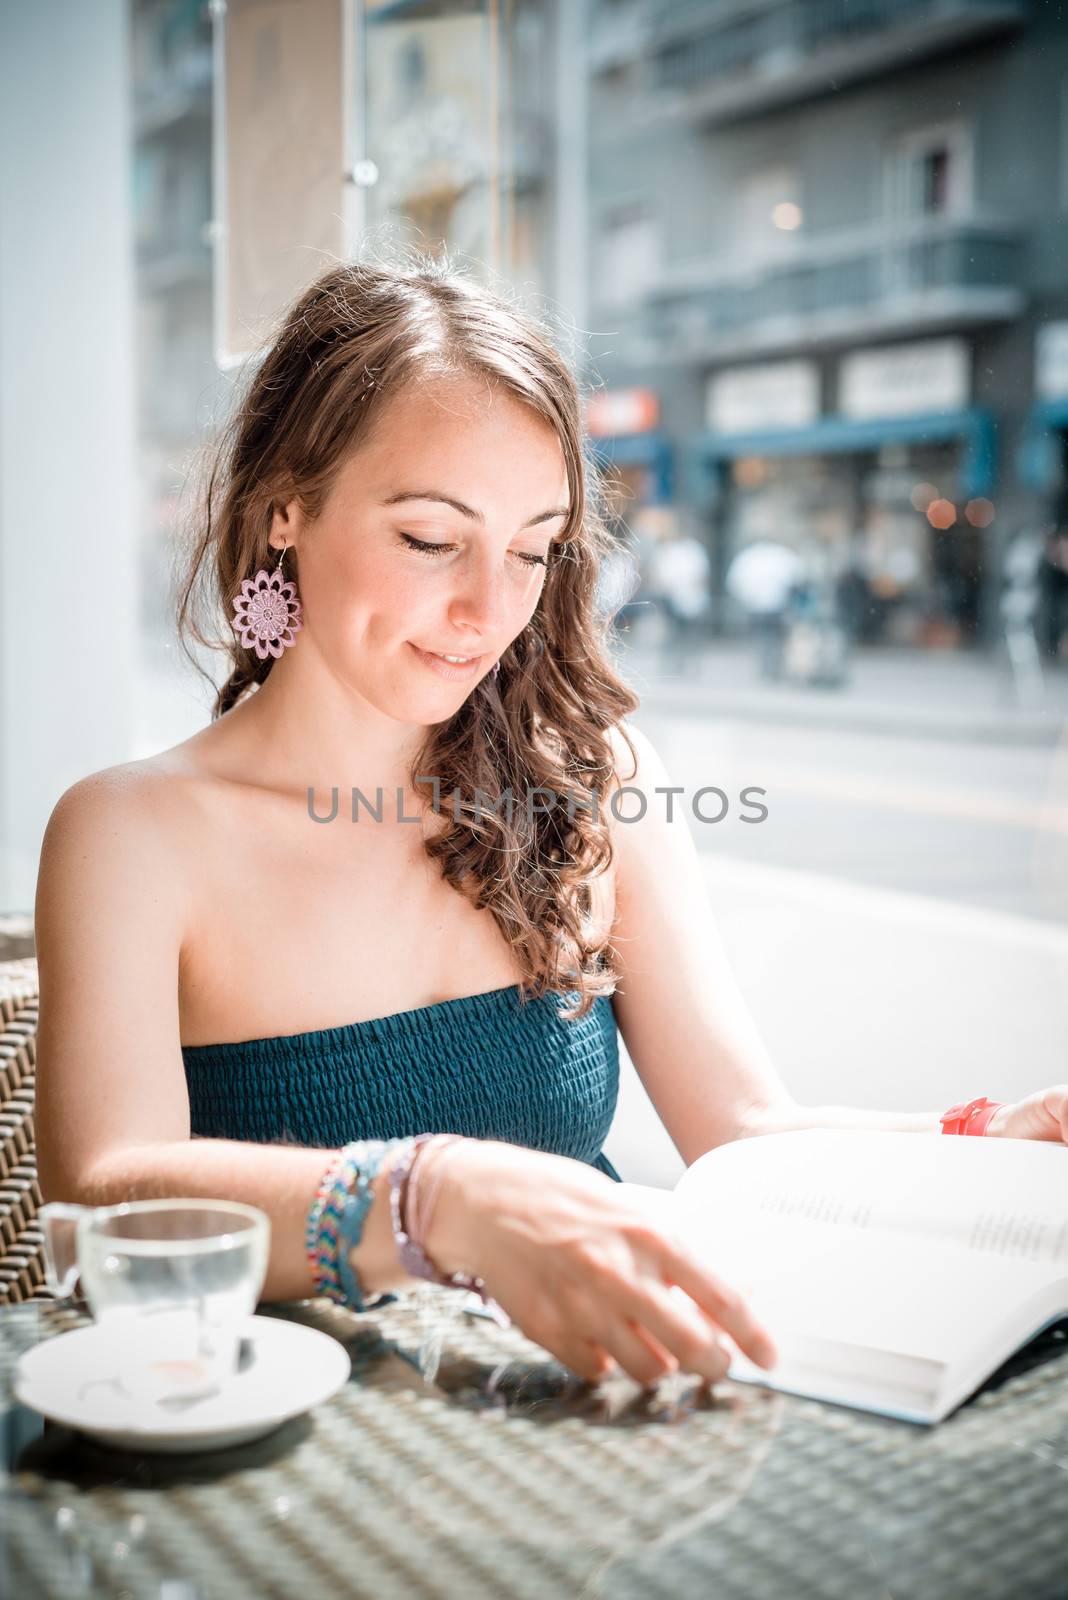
887, 501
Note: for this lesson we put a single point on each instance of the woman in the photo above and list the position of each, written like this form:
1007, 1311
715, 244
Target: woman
237, 978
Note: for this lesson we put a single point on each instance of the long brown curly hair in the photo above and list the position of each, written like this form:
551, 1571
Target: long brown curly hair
362, 332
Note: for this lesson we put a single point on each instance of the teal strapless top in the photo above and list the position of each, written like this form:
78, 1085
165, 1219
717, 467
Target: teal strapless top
486, 1066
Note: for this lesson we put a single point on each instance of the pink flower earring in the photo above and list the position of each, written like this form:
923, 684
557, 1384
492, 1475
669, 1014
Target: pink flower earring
495, 671
267, 612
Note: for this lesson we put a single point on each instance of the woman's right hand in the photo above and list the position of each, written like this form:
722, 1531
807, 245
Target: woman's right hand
580, 1270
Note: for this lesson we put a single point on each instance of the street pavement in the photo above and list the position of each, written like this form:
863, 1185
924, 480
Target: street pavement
962, 694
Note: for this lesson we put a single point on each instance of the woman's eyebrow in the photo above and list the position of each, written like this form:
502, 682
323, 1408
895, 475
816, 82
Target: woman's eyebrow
465, 510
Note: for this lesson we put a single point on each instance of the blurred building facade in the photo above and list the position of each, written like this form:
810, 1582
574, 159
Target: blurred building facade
827, 248
812, 252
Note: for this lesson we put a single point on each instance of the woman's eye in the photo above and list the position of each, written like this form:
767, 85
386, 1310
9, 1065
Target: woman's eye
421, 547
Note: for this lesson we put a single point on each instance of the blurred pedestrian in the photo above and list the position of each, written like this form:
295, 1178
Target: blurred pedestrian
853, 601
1019, 605
681, 575
617, 585
761, 579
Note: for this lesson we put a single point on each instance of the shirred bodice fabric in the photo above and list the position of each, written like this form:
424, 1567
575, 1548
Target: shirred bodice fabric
486, 1065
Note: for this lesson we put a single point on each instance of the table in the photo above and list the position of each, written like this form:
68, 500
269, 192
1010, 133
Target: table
461, 1461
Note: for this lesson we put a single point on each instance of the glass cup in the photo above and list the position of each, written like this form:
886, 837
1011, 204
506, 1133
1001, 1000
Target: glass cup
172, 1283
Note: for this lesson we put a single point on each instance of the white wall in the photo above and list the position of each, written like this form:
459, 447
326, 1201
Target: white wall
872, 998
68, 564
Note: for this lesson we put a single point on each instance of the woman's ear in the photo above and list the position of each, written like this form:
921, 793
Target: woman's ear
285, 521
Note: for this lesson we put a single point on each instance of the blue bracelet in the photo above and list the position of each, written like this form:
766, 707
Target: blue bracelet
354, 1211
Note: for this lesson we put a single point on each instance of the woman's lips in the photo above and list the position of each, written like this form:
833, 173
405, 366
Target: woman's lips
455, 671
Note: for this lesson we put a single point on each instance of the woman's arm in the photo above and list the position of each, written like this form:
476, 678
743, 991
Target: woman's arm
112, 1109
686, 1026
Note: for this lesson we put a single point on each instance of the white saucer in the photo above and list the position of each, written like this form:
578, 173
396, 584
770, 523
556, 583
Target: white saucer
287, 1369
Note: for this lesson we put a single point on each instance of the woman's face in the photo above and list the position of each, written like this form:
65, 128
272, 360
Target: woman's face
431, 543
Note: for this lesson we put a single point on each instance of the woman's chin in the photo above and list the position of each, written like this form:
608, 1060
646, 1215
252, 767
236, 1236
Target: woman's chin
428, 709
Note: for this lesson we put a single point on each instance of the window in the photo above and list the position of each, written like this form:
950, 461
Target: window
629, 250
929, 172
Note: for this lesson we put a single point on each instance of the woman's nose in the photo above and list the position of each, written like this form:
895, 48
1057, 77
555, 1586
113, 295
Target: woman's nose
478, 600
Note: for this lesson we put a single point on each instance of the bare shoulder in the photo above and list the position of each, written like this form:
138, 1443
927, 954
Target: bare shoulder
130, 794
114, 834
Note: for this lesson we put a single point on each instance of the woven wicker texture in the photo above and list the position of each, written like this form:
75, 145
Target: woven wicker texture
21, 1269
460, 1462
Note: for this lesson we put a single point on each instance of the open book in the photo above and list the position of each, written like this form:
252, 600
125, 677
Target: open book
895, 1271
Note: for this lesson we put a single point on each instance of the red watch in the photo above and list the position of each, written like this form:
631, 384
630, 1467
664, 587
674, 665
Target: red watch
970, 1116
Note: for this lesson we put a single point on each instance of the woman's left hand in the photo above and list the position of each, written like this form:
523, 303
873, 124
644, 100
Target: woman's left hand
1043, 1115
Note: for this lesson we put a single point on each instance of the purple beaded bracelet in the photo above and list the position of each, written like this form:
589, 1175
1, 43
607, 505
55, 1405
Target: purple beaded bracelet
413, 1257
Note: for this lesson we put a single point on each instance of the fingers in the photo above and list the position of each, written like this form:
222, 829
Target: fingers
584, 1357
677, 1328
622, 1341
638, 1353
722, 1303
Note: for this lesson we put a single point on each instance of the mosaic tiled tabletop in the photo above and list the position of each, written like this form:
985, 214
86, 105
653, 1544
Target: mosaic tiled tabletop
460, 1461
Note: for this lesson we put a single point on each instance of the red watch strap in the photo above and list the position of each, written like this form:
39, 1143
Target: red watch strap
970, 1116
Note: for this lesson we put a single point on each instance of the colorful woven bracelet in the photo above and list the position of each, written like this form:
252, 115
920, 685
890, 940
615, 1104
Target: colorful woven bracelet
336, 1218
311, 1230
324, 1223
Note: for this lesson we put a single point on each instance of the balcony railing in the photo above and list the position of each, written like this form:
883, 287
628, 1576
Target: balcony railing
909, 275
713, 62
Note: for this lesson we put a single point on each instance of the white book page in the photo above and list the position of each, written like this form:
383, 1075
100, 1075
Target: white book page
1005, 1199
898, 1243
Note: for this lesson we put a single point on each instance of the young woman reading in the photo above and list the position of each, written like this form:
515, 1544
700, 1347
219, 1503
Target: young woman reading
397, 1034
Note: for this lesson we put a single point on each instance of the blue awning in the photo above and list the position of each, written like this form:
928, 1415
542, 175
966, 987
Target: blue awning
1038, 456
975, 428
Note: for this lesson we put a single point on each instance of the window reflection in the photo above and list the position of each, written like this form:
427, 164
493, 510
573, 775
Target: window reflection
454, 105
